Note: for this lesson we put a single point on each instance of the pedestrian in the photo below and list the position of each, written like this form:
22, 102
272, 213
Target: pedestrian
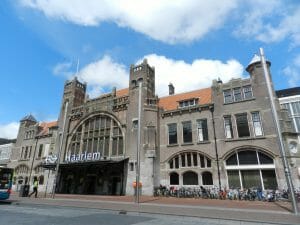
35, 187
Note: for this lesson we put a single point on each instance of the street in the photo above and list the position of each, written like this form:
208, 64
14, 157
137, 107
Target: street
16, 214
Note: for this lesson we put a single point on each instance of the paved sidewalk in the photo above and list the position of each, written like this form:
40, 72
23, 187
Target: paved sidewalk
256, 211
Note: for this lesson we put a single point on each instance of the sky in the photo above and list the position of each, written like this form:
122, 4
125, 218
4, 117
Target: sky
43, 43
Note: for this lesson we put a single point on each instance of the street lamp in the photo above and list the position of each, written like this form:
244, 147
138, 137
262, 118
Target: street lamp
137, 181
277, 125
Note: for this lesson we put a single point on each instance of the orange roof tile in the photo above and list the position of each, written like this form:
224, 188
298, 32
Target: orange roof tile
171, 102
122, 92
45, 127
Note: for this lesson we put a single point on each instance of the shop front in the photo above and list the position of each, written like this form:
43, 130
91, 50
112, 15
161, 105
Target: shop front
93, 178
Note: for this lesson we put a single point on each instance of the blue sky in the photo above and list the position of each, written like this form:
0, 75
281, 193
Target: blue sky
189, 42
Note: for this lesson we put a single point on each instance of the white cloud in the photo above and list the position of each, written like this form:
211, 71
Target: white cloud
9, 130
168, 21
293, 72
63, 69
270, 21
190, 76
104, 74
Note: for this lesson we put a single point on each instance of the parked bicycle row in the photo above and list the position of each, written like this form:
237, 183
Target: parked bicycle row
250, 194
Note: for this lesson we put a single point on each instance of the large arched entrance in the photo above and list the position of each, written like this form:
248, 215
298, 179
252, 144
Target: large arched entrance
94, 162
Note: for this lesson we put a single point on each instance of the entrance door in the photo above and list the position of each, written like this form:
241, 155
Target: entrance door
90, 184
116, 186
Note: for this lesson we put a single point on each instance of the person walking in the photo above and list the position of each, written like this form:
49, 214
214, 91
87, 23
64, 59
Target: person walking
35, 188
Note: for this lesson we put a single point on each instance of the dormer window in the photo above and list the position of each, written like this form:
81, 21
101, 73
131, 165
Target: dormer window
188, 103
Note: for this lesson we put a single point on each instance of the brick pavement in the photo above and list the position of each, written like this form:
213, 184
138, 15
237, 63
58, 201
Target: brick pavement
266, 212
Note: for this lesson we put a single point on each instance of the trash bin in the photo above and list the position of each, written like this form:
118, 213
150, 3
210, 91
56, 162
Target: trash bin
24, 190
140, 188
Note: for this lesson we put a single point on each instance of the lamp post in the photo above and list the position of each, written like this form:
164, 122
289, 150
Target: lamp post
31, 168
279, 133
137, 181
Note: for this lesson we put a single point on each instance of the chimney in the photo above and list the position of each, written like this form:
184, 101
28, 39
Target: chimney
171, 89
219, 81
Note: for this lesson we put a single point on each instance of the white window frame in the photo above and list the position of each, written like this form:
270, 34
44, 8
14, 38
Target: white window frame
200, 130
254, 126
231, 94
244, 95
240, 92
230, 130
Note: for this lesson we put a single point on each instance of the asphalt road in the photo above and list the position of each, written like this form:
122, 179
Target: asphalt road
23, 214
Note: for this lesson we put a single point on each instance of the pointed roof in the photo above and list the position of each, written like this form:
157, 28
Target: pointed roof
29, 118
255, 59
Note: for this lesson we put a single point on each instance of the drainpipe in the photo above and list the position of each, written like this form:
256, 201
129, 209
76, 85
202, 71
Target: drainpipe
216, 147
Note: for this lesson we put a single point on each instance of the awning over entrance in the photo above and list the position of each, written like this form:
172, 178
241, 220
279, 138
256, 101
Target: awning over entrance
96, 178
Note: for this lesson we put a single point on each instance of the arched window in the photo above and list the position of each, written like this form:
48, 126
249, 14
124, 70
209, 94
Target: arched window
207, 178
174, 179
189, 160
133, 83
22, 169
190, 178
96, 135
248, 168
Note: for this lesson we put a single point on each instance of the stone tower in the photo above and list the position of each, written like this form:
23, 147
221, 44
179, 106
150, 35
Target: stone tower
149, 157
73, 96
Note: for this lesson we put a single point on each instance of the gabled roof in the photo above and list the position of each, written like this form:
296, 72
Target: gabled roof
29, 118
45, 127
171, 102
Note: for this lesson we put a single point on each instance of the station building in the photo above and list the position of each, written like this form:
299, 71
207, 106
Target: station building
222, 135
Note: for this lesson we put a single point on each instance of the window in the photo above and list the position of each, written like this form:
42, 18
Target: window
190, 178
99, 134
296, 107
46, 151
40, 151
131, 166
174, 179
188, 103
256, 124
251, 168
135, 124
227, 96
202, 130
228, 127
26, 152
242, 125
189, 159
237, 94
41, 180
233, 179
247, 92
172, 129
187, 132
207, 178
247, 158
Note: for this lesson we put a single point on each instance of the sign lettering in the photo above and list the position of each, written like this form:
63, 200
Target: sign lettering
83, 157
